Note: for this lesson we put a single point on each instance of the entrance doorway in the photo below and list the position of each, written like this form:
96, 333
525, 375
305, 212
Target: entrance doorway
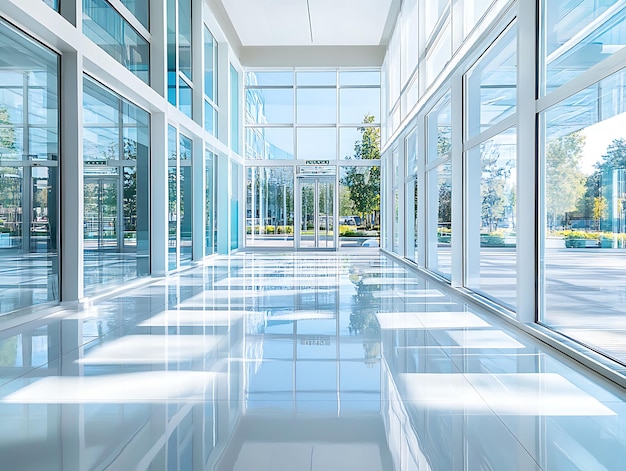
316, 226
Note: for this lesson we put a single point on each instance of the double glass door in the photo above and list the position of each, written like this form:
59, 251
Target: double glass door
316, 219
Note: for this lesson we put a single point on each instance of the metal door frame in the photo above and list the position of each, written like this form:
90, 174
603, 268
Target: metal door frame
301, 180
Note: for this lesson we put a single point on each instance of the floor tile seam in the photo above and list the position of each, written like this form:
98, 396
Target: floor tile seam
503, 422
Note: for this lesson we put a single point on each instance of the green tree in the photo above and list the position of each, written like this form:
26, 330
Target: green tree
564, 180
615, 156
495, 174
363, 183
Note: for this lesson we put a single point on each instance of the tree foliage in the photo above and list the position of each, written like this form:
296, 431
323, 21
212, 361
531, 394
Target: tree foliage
495, 174
363, 183
564, 180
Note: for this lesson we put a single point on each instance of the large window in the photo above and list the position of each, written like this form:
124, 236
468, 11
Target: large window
29, 149
439, 188
491, 172
116, 152
584, 207
109, 30
312, 115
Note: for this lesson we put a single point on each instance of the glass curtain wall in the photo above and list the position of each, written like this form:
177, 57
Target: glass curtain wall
179, 50
105, 26
116, 153
321, 117
234, 205
29, 149
583, 164
270, 207
491, 172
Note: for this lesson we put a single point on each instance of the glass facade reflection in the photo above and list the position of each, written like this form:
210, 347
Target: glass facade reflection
29, 188
116, 154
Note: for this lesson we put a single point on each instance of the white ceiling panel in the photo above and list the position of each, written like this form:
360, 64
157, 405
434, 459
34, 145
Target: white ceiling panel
309, 22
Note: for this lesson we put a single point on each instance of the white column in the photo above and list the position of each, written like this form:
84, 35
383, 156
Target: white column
71, 169
526, 227
159, 199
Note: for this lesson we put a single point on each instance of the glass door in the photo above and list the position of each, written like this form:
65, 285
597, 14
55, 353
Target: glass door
316, 218
101, 213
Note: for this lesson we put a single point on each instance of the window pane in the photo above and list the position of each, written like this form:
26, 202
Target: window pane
439, 219
139, 8
210, 118
234, 109
564, 58
474, 10
185, 97
185, 200
491, 261
269, 143
29, 115
360, 78
270, 206
269, 106
584, 236
172, 198
440, 54
317, 143
355, 104
210, 65
439, 122
104, 26
184, 37
492, 85
317, 106
52, 4
269, 78
209, 208
433, 11
316, 78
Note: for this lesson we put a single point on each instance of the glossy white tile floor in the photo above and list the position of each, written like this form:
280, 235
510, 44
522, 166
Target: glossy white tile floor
289, 362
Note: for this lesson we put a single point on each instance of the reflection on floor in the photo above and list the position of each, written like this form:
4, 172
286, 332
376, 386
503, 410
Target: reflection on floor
260, 361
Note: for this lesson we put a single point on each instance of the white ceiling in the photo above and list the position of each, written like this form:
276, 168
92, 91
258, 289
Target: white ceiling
312, 22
